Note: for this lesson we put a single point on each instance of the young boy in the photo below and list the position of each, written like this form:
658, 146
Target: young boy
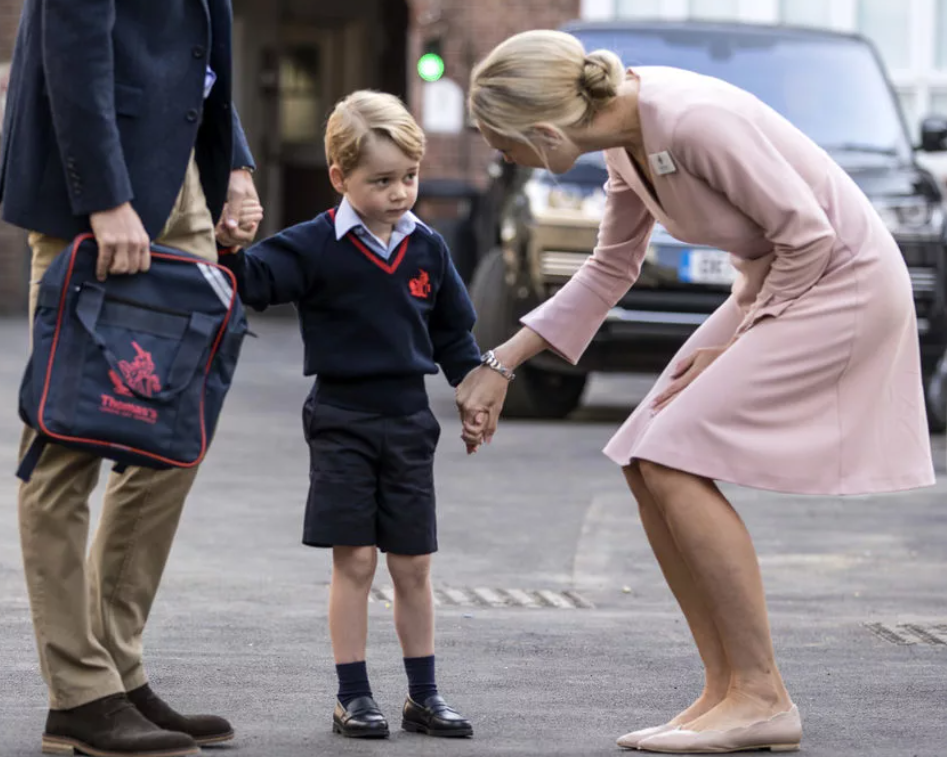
380, 305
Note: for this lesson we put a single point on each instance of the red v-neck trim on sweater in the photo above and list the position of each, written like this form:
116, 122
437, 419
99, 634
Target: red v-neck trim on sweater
387, 267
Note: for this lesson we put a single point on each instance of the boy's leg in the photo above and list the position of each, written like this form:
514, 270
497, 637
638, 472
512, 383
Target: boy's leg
414, 621
356, 714
414, 603
353, 569
407, 531
340, 513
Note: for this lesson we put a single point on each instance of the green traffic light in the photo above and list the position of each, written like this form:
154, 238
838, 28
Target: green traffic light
430, 67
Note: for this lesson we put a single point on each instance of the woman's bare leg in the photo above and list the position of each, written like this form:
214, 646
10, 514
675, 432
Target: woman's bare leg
716, 547
688, 596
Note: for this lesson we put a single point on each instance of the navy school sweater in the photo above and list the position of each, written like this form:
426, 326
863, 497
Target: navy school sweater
371, 328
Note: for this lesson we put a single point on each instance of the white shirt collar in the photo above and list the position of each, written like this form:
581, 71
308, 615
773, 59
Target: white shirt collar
346, 220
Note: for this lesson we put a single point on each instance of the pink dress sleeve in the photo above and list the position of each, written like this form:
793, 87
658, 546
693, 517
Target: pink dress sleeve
733, 155
570, 318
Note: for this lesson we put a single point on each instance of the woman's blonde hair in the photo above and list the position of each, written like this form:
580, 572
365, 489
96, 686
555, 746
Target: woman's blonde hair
367, 113
542, 77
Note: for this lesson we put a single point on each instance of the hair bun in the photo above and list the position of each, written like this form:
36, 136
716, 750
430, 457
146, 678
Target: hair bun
602, 73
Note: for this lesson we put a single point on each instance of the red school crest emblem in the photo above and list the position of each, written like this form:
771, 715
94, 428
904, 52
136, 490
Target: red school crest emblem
420, 285
137, 374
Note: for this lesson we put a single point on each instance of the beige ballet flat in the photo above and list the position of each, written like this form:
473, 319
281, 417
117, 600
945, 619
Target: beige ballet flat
631, 740
780, 733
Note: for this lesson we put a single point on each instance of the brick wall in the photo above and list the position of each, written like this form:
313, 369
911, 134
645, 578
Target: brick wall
9, 18
13, 257
469, 30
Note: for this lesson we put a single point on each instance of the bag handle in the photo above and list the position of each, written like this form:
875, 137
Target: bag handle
199, 330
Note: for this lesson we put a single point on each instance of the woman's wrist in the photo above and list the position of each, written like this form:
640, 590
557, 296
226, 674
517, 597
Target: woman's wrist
519, 348
491, 361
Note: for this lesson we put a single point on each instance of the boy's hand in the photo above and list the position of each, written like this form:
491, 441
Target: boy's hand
231, 231
472, 447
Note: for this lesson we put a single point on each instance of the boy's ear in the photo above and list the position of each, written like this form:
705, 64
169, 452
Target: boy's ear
337, 178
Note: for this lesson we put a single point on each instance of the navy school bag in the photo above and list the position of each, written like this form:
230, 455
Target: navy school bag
135, 368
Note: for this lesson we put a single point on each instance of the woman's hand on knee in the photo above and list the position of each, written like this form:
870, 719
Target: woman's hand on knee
684, 374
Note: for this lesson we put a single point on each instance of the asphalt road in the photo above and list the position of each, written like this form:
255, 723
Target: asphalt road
556, 632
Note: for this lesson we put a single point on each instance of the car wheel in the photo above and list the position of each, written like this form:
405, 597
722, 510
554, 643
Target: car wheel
935, 398
534, 393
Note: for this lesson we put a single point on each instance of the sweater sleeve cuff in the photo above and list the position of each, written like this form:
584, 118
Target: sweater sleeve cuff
459, 372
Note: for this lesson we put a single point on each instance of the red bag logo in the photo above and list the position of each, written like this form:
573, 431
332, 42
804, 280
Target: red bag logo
118, 387
421, 285
139, 374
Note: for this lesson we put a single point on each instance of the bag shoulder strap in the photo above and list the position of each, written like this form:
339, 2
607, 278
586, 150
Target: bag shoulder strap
31, 459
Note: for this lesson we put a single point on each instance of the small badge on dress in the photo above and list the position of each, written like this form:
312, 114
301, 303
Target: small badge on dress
662, 163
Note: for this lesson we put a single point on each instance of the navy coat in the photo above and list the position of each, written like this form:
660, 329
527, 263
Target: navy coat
105, 104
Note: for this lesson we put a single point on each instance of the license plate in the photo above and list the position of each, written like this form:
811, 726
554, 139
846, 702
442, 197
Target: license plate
706, 267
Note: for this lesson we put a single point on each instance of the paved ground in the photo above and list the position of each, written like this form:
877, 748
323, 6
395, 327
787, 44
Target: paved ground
239, 626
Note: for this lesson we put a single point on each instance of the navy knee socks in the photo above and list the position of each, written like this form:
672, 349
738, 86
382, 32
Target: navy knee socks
353, 679
421, 683
353, 682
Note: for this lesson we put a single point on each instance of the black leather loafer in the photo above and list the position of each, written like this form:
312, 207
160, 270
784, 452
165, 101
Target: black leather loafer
360, 720
435, 718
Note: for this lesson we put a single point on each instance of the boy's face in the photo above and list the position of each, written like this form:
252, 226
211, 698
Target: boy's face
383, 187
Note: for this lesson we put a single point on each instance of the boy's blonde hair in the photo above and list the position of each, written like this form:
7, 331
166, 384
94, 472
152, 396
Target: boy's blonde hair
542, 77
368, 113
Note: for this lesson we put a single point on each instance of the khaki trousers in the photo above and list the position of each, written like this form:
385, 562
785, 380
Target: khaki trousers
89, 612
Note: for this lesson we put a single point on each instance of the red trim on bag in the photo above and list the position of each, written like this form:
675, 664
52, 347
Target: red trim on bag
213, 353
383, 264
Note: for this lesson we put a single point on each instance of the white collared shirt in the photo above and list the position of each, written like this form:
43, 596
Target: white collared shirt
209, 78
346, 220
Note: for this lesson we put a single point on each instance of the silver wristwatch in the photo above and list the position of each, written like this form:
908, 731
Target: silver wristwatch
489, 359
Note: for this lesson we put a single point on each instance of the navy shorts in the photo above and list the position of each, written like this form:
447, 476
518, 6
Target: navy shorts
371, 479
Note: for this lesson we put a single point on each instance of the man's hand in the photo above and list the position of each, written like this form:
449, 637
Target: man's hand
250, 214
124, 247
231, 231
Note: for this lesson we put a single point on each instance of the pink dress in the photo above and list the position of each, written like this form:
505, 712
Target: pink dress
821, 393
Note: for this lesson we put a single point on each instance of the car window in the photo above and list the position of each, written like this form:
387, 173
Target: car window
833, 89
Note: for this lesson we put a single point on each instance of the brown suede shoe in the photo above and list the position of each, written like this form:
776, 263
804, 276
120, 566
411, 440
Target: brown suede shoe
112, 727
204, 729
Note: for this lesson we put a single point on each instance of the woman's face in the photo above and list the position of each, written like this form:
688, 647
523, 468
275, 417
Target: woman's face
560, 154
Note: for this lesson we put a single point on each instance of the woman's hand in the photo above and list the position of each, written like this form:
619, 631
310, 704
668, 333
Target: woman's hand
684, 373
481, 394
480, 399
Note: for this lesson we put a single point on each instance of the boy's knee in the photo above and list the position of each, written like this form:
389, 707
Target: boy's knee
410, 572
355, 564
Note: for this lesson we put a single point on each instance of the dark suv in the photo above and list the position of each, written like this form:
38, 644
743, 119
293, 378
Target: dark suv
536, 229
